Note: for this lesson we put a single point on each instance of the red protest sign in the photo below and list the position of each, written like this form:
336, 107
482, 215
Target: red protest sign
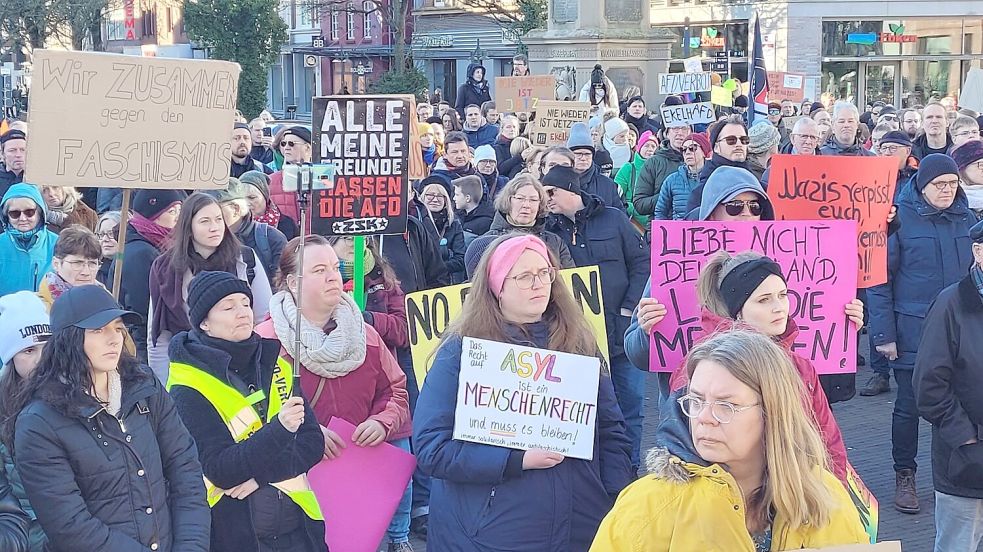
786, 86
812, 187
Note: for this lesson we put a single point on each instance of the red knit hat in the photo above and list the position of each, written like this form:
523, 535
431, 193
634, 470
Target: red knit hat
702, 140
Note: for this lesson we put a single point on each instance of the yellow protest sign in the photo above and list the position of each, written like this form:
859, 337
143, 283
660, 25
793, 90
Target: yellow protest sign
721, 96
430, 312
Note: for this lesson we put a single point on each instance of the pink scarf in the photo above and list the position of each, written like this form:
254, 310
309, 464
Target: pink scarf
153, 232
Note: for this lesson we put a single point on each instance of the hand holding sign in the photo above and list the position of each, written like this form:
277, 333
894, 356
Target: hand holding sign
539, 459
650, 313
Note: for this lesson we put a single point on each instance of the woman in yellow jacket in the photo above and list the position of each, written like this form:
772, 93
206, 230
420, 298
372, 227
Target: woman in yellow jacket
747, 473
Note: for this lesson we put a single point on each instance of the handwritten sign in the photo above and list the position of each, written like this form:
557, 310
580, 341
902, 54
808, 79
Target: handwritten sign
687, 114
684, 83
553, 120
360, 490
102, 119
864, 501
817, 260
786, 86
721, 96
367, 138
430, 312
693, 64
805, 187
523, 94
520, 397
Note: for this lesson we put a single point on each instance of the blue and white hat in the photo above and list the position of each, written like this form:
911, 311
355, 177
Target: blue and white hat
23, 323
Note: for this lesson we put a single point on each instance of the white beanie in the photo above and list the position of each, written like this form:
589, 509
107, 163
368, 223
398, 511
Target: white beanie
484, 153
23, 324
614, 127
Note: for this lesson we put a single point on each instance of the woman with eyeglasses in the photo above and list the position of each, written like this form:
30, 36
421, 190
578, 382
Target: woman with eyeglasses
107, 230
76, 262
487, 498
26, 246
929, 252
742, 466
445, 229
675, 191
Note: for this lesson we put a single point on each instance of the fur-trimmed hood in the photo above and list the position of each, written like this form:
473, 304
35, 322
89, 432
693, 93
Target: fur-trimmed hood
660, 463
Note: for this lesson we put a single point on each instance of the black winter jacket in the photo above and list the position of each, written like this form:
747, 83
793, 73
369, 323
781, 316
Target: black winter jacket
594, 183
415, 257
126, 484
269, 255
478, 221
948, 381
472, 92
14, 522
270, 455
134, 285
500, 226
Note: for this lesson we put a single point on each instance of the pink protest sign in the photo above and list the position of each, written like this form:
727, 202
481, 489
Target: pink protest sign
818, 258
359, 491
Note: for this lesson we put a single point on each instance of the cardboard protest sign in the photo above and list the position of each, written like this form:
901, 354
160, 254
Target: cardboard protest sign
687, 114
693, 64
864, 501
517, 94
971, 96
786, 86
807, 187
367, 138
684, 83
553, 120
417, 169
817, 259
430, 312
102, 119
721, 96
359, 491
520, 397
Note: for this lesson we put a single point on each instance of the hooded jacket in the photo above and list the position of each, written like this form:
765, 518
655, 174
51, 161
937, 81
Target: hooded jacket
948, 386
716, 161
485, 134
656, 169
825, 421
271, 454
482, 500
594, 183
687, 504
930, 251
503, 149
126, 483
134, 293
604, 236
675, 194
472, 92
832, 147
501, 226
920, 147
626, 178
610, 100
709, 199
24, 265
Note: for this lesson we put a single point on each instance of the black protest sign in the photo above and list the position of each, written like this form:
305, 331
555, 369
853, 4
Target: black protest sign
367, 138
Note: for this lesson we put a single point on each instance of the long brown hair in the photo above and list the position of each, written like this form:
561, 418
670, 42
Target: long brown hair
482, 318
182, 254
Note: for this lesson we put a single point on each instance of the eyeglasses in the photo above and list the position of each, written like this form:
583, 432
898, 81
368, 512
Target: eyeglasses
889, 149
807, 137
527, 279
583, 154
737, 206
18, 213
524, 200
432, 196
110, 235
722, 411
774, 111
81, 263
971, 132
941, 186
732, 140
692, 149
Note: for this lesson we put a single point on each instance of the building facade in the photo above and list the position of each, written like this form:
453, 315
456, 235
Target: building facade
148, 28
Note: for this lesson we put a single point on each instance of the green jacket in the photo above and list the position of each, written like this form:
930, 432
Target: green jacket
625, 179
663, 162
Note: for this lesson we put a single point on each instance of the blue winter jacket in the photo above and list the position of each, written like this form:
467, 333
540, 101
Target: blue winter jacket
930, 251
674, 195
481, 499
25, 265
485, 135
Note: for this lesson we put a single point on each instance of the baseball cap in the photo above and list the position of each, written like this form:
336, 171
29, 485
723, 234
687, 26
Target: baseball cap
88, 307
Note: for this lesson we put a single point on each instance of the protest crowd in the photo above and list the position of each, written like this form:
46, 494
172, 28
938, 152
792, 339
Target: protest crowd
148, 398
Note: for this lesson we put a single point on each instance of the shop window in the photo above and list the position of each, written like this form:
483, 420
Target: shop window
840, 80
115, 26
894, 37
707, 39
923, 81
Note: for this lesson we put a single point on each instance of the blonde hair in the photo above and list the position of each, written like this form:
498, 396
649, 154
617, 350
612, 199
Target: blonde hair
519, 145
712, 275
448, 207
482, 318
795, 455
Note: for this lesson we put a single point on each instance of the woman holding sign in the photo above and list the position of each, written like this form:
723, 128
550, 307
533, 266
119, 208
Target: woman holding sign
743, 469
489, 498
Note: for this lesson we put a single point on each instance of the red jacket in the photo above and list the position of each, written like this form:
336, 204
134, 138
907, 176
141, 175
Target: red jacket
376, 389
286, 201
828, 427
388, 308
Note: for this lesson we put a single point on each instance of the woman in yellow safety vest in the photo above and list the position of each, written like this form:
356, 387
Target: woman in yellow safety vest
256, 436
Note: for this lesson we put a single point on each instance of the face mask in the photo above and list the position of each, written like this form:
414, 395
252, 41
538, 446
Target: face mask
975, 196
620, 153
599, 93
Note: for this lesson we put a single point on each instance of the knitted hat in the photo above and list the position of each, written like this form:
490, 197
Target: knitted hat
580, 137
645, 138
614, 127
967, 153
484, 153
764, 136
299, 132
595, 121
933, 166
235, 190
151, 203
597, 75
563, 178
673, 100
702, 140
741, 101
12, 134
258, 180
888, 110
424, 128
716, 129
208, 288
726, 183
242, 126
23, 324
816, 106
976, 232
896, 137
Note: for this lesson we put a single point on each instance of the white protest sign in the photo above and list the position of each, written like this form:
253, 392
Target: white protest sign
684, 83
519, 397
693, 64
101, 119
687, 114
971, 96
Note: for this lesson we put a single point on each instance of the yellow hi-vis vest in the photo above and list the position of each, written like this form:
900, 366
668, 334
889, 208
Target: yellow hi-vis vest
242, 421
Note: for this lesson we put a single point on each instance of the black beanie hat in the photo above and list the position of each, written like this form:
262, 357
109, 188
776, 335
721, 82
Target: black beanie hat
564, 178
741, 101
673, 100
967, 153
738, 285
208, 288
151, 203
597, 75
933, 166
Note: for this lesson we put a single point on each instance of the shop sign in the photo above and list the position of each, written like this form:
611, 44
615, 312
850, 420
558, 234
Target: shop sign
711, 38
434, 41
897, 35
129, 21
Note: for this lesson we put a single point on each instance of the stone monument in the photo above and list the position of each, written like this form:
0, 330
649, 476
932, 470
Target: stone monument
618, 34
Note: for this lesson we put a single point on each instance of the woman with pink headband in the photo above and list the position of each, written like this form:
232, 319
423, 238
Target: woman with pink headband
489, 498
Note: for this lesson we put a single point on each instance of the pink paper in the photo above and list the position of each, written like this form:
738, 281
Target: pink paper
819, 260
359, 491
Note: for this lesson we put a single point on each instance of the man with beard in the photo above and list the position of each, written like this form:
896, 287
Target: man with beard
729, 140
242, 160
911, 122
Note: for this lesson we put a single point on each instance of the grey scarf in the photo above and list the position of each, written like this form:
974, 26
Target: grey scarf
327, 355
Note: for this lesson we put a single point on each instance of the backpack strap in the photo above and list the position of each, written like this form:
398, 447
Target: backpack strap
262, 235
249, 257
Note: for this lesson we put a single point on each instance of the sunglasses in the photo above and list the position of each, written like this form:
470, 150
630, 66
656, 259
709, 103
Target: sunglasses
736, 207
289, 143
774, 111
16, 213
692, 149
732, 140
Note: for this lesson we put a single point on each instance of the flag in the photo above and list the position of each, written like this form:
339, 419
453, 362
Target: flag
758, 80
